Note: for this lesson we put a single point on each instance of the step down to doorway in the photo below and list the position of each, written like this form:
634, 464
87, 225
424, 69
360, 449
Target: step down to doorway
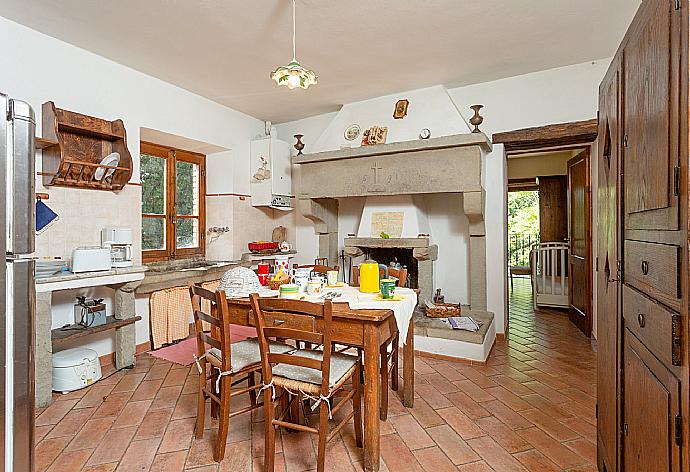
436, 337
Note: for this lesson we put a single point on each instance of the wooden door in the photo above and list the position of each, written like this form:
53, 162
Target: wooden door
580, 237
651, 119
651, 405
607, 268
553, 219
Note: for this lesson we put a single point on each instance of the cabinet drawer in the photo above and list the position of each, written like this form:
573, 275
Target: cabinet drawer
288, 320
657, 327
654, 269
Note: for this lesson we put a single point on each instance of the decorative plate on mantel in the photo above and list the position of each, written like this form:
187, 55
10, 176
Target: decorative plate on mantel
352, 132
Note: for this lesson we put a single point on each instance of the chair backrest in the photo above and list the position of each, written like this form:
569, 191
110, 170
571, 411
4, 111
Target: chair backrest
284, 308
400, 274
219, 335
319, 269
321, 261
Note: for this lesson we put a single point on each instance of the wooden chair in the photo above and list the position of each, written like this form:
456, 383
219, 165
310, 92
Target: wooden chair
321, 261
389, 360
318, 268
318, 375
229, 364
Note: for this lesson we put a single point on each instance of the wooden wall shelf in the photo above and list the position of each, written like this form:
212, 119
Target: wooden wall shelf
74, 146
61, 335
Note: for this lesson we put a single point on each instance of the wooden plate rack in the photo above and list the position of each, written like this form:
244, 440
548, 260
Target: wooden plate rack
74, 146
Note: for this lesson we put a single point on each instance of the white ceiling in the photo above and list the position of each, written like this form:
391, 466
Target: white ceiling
225, 49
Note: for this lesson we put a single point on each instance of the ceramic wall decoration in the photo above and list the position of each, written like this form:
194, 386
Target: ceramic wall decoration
374, 135
263, 172
352, 132
476, 119
401, 109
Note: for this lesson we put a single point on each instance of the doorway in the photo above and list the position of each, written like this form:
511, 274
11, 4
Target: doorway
553, 162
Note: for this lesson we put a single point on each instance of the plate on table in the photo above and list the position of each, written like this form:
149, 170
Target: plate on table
396, 298
338, 285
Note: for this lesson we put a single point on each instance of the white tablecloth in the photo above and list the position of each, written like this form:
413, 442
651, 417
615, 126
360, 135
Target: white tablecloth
402, 309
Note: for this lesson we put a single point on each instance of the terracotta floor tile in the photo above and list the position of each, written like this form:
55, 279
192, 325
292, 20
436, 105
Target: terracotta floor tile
552, 426
424, 414
534, 460
158, 372
176, 377
494, 455
411, 432
41, 432
479, 466
91, 434
71, 423
112, 404
398, 456
154, 424
112, 447
166, 397
433, 459
462, 425
55, 412
440, 383
70, 461
457, 450
507, 415
503, 435
147, 390
433, 397
185, 407
47, 451
101, 468
554, 450
298, 451
95, 395
586, 449
129, 383
467, 405
132, 414
509, 398
169, 462
139, 455
477, 393
449, 372
178, 436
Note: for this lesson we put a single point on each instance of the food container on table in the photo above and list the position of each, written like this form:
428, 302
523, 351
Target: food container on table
301, 277
314, 286
369, 276
290, 291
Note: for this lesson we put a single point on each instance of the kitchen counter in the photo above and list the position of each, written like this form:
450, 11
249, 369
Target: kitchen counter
70, 280
123, 281
169, 275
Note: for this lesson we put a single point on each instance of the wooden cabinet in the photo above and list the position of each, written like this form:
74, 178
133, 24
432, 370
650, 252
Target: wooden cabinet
642, 246
651, 118
651, 408
607, 257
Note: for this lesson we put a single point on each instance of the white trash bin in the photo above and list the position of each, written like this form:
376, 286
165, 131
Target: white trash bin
74, 369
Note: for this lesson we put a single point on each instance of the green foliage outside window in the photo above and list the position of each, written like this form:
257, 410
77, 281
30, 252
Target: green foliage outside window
523, 226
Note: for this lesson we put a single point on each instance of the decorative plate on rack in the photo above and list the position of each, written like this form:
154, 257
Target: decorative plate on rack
352, 132
112, 159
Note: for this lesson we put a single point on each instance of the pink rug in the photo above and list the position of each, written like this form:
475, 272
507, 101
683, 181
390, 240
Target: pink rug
183, 352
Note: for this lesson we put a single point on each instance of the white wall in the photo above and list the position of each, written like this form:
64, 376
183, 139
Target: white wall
38, 68
551, 96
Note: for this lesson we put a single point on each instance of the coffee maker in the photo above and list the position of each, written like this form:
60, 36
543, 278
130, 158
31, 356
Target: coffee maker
119, 241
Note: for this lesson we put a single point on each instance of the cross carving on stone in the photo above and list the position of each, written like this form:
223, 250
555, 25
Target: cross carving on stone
376, 168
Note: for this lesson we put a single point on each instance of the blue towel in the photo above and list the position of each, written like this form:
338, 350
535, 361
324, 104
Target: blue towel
44, 216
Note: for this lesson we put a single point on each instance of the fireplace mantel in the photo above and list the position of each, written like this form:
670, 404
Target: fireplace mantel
449, 164
410, 243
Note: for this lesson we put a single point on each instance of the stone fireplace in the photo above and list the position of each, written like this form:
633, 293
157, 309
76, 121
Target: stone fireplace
444, 165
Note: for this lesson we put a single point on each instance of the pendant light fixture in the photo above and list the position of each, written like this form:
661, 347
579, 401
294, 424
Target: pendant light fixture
294, 75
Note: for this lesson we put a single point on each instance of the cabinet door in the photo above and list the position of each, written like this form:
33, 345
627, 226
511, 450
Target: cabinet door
651, 402
651, 118
607, 284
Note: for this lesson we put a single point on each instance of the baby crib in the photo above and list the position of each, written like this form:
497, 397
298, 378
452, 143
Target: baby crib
549, 262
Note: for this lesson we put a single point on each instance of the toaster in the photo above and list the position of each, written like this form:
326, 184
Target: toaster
91, 259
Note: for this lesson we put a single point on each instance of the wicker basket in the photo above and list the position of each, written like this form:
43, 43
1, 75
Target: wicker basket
443, 310
275, 284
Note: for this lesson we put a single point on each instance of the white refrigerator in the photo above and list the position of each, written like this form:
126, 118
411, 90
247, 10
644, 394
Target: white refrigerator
17, 237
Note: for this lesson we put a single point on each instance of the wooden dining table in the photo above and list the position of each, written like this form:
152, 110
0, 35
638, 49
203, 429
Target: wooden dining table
368, 329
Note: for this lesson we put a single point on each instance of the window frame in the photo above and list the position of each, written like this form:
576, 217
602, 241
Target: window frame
171, 156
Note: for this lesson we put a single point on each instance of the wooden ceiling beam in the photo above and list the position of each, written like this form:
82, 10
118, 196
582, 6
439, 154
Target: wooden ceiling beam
549, 136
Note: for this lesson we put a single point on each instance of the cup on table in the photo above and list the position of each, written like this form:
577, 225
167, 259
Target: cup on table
387, 289
263, 273
332, 276
314, 286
